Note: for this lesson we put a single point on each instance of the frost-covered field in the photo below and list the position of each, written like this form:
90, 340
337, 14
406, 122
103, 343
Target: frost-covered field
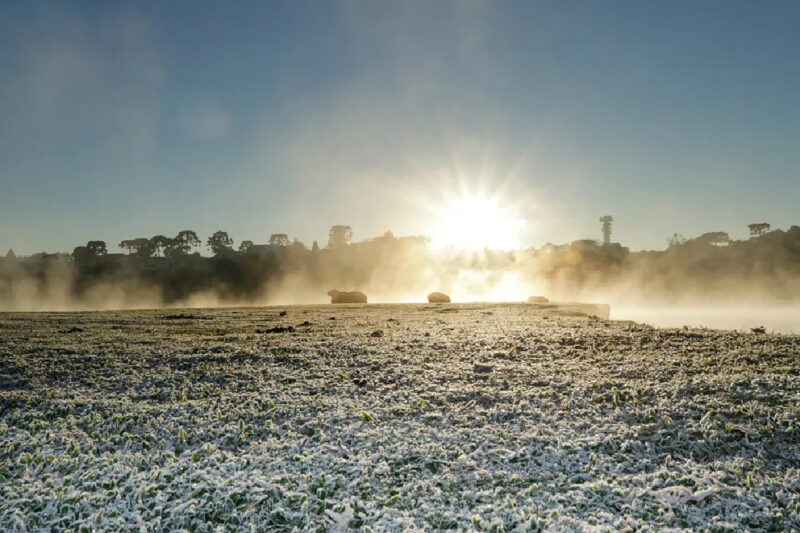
485, 417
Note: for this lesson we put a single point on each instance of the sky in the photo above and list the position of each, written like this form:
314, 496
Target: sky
129, 119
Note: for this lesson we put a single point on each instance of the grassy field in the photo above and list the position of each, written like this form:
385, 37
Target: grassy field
484, 417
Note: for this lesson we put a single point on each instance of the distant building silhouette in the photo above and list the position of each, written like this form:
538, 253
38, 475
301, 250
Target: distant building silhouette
606, 221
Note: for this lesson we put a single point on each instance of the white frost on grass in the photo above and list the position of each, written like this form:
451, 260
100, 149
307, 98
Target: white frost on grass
214, 422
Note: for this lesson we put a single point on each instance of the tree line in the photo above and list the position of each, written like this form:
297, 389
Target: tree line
187, 241
712, 264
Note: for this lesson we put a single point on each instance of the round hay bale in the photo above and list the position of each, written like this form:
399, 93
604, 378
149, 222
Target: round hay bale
349, 297
438, 298
538, 300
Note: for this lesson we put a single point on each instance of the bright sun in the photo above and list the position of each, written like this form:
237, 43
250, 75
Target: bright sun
474, 222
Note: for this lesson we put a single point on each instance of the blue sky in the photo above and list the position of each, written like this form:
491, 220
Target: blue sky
127, 119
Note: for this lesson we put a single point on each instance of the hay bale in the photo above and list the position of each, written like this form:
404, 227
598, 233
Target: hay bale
538, 300
349, 297
438, 298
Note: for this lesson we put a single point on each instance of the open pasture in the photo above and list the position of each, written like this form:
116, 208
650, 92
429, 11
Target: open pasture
495, 417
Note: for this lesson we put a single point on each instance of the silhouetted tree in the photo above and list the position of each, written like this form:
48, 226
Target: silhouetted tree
315, 247
182, 244
140, 247
758, 229
245, 246
714, 238
160, 244
128, 246
81, 254
96, 248
676, 240
219, 242
297, 245
339, 237
173, 251
279, 239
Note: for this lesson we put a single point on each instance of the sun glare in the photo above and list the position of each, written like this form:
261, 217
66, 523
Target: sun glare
474, 222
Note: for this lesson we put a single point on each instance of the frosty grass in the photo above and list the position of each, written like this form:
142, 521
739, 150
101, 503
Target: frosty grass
423, 417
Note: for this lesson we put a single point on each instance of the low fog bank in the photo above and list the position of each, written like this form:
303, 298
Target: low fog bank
740, 284
780, 318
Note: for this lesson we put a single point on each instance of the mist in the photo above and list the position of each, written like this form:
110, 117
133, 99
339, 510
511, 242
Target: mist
741, 285
779, 317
